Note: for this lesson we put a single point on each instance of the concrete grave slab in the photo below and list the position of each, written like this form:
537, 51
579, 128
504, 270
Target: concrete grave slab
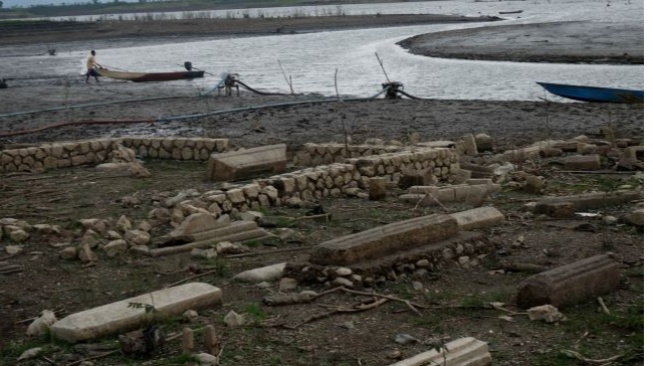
565, 206
466, 351
477, 218
246, 163
385, 239
571, 283
120, 317
583, 162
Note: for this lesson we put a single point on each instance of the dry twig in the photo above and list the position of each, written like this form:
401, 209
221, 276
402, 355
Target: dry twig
190, 278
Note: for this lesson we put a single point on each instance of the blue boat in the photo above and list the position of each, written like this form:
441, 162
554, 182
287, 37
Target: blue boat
595, 94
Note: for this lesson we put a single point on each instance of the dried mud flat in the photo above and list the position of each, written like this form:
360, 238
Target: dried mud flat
456, 297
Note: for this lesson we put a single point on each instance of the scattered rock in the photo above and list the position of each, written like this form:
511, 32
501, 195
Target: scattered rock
403, 339
41, 325
547, 312
31, 353
13, 249
233, 319
115, 248
287, 284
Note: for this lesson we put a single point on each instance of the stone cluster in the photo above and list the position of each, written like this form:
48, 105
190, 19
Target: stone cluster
466, 252
67, 154
352, 178
253, 196
191, 148
442, 162
320, 154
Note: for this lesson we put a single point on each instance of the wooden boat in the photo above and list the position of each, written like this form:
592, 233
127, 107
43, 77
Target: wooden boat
150, 76
595, 94
511, 12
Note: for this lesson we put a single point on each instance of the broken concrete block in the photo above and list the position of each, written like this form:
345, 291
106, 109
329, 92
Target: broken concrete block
571, 283
385, 239
566, 146
565, 206
475, 195
467, 145
476, 181
534, 184
437, 144
120, 316
478, 171
461, 176
636, 217
234, 232
466, 351
268, 273
558, 209
634, 153
377, 188
224, 230
195, 223
583, 162
246, 163
484, 142
416, 177
422, 200
477, 218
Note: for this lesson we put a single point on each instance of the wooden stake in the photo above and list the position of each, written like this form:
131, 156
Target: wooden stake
187, 344
211, 340
382, 68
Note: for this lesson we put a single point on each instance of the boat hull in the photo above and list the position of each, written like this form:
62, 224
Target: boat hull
595, 94
139, 77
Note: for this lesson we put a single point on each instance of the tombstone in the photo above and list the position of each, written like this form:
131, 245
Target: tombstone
243, 164
571, 283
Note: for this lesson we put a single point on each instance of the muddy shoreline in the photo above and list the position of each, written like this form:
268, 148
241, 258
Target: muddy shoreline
511, 123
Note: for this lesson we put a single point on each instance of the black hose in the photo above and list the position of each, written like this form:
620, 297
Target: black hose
257, 91
408, 95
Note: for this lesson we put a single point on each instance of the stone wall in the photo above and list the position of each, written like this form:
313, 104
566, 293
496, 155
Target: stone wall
337, 179
352, 177
66, 154
320, 154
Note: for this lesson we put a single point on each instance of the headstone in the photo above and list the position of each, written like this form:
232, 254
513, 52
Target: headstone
583, 162
119, 316
247, 163
385, 239
466, 351
377, 188
571, 283
480, 217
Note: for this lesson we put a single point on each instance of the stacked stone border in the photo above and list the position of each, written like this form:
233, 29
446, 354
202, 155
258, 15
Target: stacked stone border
350, 178
465, 250
335, 180
76, 153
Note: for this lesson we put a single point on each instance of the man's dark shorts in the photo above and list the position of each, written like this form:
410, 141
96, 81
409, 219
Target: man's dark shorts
92, 72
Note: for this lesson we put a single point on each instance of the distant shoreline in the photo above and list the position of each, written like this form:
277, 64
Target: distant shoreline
18, 33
